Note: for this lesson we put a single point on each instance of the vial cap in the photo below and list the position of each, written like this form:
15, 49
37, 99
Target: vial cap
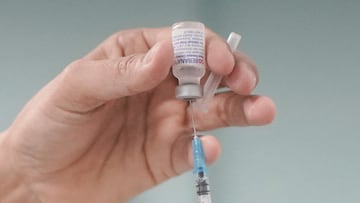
188, 91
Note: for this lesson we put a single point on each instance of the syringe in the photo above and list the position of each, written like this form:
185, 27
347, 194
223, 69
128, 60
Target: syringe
200, 169
213, 81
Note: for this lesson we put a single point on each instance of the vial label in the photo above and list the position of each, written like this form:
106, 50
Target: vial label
188, 44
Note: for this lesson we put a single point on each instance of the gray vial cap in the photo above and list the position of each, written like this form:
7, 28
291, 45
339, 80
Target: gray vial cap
188, 91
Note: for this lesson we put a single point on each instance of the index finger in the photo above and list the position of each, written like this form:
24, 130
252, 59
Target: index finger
128, 42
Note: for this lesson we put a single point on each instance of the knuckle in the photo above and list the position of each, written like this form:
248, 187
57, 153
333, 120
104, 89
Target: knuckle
126, 37
124, 65
231, 114
74, 67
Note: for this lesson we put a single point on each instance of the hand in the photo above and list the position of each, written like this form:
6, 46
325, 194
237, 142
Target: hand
109, 127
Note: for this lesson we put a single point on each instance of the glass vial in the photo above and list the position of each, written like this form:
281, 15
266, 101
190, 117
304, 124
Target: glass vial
188, 40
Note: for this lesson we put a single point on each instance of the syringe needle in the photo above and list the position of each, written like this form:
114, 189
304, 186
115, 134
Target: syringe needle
192, 117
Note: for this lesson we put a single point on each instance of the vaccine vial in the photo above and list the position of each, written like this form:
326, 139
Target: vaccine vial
188, 40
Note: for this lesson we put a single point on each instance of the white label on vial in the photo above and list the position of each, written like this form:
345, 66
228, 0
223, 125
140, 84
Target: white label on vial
188, 46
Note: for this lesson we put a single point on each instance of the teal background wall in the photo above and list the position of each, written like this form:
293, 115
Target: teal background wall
308, 57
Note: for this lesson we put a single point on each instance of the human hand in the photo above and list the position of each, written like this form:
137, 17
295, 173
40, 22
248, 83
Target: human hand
109, 127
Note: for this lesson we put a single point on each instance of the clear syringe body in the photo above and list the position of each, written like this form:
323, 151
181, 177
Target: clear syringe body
213, 81
203, 190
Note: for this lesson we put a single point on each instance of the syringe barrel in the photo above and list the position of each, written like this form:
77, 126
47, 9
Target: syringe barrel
203, 190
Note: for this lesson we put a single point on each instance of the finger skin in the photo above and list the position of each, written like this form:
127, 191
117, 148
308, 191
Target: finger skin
244, 76
220, 60
182, 155
230, 109
87, 84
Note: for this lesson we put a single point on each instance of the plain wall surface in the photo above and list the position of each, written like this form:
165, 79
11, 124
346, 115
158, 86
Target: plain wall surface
307, 53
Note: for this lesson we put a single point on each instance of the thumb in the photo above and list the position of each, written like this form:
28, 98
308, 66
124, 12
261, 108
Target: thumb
182, 154
86, 84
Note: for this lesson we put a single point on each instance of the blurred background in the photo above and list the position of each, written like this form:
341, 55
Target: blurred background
307, 53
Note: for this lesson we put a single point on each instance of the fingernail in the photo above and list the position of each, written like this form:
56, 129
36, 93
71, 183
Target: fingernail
259, 110
248, 106
251, 77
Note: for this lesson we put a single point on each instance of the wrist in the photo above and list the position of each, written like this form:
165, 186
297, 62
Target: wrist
12, 187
